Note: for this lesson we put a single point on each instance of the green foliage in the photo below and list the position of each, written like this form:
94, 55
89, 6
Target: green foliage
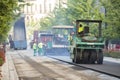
112, 18
60, 16
7, 8
76, 9
9, 11
45, 23
84, 9
110, 33
57, 17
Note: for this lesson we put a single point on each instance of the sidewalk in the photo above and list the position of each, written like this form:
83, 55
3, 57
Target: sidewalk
8, 69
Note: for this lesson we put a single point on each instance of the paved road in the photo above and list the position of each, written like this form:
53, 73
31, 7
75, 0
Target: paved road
31, 67
107, 66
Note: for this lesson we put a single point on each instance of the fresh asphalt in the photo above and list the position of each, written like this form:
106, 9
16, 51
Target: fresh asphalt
112, 68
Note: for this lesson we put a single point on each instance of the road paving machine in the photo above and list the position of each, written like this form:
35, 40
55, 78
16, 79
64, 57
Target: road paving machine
86, 47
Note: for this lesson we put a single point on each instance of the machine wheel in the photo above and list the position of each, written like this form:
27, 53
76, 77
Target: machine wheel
100, 57
85, 57
93, 56
77, 56
76, 59
73, 60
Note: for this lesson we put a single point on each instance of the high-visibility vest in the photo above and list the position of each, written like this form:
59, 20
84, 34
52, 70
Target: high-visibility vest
40, 45
80, 29
34, 46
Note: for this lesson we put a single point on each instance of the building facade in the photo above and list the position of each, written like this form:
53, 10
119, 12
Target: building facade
38, 9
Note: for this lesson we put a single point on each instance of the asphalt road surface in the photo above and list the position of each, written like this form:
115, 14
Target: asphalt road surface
31, 67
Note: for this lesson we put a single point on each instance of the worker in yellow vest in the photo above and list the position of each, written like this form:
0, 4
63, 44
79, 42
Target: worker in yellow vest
35, 48
80, 29
40, 48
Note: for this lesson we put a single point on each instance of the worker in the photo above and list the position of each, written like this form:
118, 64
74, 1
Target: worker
40, 48
35, 48
80, 29
69, 38
11, 41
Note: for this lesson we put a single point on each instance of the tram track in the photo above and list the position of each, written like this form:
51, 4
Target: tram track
82, 66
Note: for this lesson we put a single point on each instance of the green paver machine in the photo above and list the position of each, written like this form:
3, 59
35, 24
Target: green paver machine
87, 47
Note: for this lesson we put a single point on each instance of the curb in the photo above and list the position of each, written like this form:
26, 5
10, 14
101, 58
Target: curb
8, 69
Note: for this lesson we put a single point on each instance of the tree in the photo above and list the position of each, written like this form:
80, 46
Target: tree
7, 8
9, 11
84, 9
112, 18
57, 17
76, 9
46, 23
